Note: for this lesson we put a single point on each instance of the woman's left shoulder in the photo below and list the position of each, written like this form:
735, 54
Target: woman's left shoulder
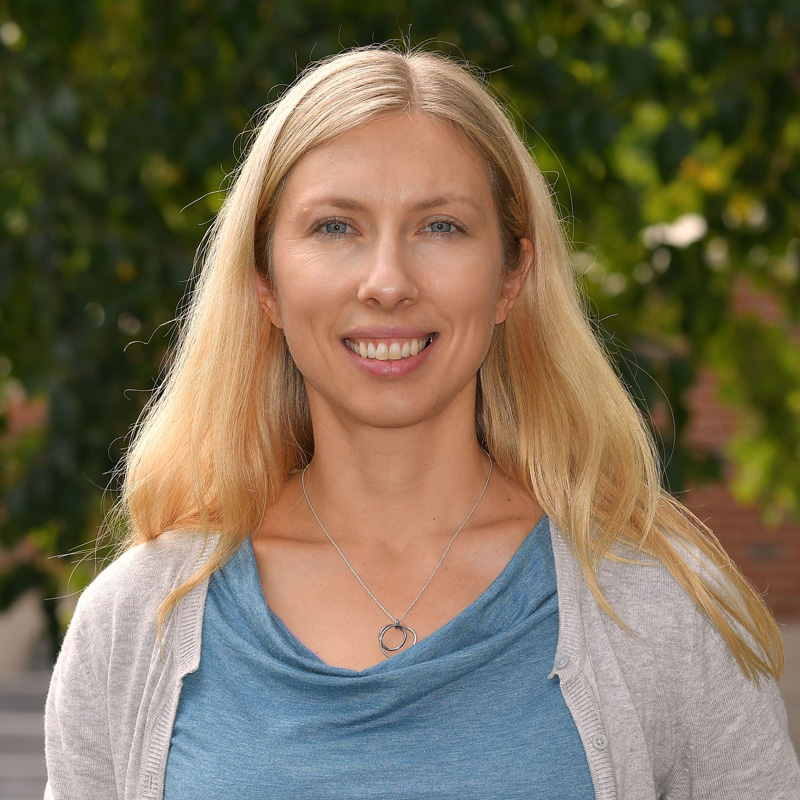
649, 599
664, 620
722, 733
656, 610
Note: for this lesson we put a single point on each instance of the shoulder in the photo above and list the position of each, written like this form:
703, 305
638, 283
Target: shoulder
639, 588
114, 677
729, 734
649, 599
667, 684
131, 589
661, 650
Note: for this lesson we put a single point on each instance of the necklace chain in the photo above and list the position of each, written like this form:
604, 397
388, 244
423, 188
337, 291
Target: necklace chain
395, 621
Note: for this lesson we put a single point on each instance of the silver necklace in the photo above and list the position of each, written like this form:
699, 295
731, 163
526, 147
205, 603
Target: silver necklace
395, 624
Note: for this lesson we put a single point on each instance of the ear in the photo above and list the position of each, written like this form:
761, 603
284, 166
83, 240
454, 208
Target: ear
268, 301
512, 287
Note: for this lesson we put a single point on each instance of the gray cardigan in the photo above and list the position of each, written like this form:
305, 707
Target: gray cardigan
665, 713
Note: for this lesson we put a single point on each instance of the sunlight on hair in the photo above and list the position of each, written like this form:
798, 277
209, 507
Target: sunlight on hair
231, 422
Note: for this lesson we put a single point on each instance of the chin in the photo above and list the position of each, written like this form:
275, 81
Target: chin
390, 416
394, 407
396, 419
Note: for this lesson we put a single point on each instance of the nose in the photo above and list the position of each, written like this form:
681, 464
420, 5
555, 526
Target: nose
388, 279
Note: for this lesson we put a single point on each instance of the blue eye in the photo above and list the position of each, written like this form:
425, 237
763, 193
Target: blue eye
336, 228
442, 227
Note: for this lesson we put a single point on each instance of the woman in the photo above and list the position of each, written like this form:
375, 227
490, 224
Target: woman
397, 529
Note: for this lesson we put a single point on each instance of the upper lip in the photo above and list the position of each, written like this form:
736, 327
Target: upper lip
387, 332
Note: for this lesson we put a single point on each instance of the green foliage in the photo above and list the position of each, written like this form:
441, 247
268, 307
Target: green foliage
117, 121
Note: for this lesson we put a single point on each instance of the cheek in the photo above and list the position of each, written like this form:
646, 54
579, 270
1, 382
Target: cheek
475, 292
306, 284
310, 313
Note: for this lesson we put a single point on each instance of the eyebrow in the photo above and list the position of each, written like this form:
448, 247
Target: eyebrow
352, 204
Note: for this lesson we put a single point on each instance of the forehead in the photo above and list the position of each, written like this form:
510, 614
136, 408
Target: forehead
395, 161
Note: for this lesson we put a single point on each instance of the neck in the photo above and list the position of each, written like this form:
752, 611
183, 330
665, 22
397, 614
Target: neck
395, 487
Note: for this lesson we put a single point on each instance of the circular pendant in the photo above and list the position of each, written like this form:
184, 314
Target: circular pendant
387, 651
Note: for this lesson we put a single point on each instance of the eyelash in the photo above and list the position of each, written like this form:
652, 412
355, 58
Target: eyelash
459, 227
319, 227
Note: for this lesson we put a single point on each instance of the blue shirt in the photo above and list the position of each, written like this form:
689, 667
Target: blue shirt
467, 712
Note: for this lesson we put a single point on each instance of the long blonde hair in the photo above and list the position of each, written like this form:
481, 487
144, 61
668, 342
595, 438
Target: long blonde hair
231, 421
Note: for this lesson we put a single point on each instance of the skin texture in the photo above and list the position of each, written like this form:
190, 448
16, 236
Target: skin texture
390, 229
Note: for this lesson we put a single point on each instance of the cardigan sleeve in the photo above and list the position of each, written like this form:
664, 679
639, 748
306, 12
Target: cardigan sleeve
77, 728
710, 733
739, 746
112, 679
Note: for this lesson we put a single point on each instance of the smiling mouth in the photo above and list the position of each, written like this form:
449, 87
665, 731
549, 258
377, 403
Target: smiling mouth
389, 349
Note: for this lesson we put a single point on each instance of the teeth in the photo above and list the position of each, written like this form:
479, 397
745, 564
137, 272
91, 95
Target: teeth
392, 352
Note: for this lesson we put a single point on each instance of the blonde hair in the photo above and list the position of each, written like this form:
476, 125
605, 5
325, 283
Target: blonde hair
231, 422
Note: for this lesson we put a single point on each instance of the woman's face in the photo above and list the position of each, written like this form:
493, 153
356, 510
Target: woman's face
387, 272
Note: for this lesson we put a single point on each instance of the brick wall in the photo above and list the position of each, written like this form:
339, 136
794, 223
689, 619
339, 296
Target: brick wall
769, 556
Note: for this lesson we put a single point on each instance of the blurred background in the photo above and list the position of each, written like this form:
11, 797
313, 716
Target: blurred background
669, 131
